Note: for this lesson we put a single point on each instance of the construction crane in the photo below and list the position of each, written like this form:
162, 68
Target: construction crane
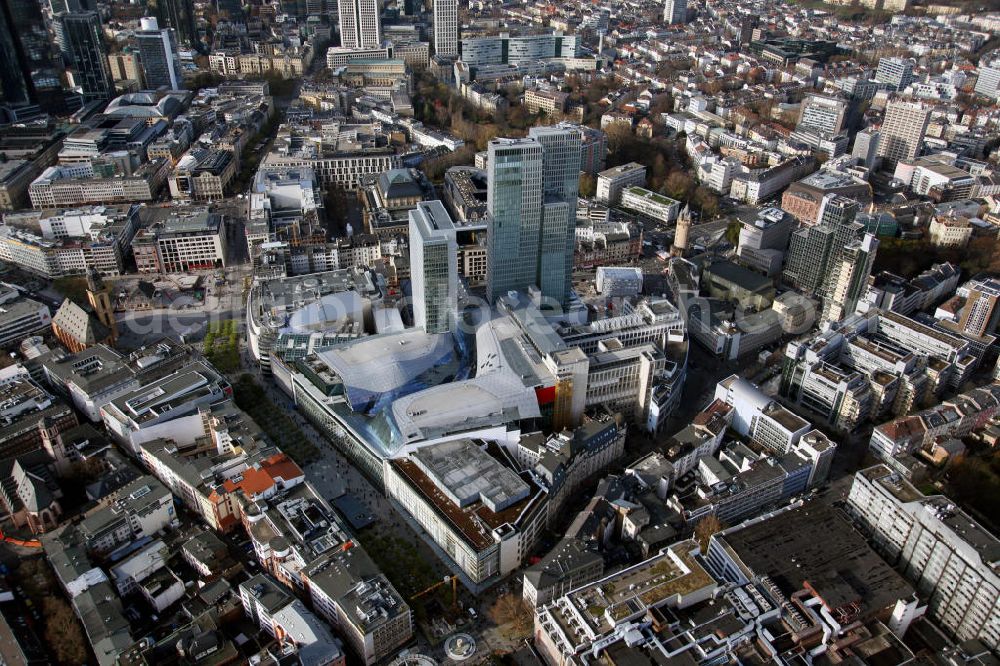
444, 581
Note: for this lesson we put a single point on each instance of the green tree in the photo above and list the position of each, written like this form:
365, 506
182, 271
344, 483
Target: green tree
706, 201
733, 232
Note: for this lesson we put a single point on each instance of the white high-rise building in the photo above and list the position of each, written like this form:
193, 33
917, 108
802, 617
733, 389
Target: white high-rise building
446, 27
675, 11
847, 282
360, 23
895, 73
822, 114
949, 558
902, 132
866, 146
988, 82
158, 55
433, 267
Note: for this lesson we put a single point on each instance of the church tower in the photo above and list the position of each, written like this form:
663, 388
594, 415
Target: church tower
682, 232
99, 296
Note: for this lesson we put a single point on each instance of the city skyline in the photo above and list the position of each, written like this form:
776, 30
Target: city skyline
349, 332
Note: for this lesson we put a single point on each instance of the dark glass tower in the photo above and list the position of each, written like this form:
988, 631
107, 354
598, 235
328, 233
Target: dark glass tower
82, 35
179, 15
31, 69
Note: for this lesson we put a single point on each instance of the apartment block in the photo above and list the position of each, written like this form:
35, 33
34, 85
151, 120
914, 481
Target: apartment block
938, 547
872, 364
140, 509
612, 182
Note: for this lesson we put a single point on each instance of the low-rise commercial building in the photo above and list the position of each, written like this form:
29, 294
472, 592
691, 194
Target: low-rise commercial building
484, 515
804, 198
349, 592
203, 175
140, 509
21, 317
78, 184
181, 240
649, 203
165, 407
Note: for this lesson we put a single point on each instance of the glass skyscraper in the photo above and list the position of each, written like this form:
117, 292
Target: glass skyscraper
514, 215
179, 15
531, 212
82, 36
561, 187
433, 267
31, 68
815, 251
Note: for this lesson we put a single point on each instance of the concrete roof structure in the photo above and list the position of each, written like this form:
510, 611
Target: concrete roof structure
812, 545
467, 474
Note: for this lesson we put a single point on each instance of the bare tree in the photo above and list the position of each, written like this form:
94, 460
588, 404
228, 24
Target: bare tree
705, 528
513, 611
63, 632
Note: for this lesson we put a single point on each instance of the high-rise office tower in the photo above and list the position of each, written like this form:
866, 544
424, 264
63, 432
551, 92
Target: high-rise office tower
71, 6
433, 267
179, 15
822, 114
847, 281
561, 188
675, 11
514, 215
894, 73
157, 50
29, 71
814, 250
360, 23
980, 314
902, 132
837, 210
83, 39
15, 84
866, 146
532, 189
446, 27
747, 25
